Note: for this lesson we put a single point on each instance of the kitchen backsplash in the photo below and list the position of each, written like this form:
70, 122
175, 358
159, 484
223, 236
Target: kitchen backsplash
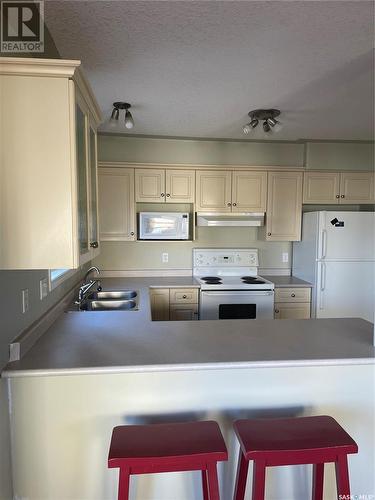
124, 256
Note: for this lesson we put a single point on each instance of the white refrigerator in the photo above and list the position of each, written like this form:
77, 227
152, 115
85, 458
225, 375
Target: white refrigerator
337, 255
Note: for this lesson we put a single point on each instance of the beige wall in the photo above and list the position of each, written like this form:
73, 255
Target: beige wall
147, 255
312, 155
340, 155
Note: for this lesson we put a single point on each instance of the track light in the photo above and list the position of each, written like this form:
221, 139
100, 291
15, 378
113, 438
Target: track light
267, 116
115, 116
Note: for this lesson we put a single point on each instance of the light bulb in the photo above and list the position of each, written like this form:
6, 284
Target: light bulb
266, 127
246, 129
278, 126
254, 122
129, 122
113, 122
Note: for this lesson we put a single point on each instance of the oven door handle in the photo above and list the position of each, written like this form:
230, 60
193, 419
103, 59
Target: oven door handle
235, 292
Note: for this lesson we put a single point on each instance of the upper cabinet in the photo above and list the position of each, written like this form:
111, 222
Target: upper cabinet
49, 117
334, 187
116, 202
225, 191
164, 186
284, 206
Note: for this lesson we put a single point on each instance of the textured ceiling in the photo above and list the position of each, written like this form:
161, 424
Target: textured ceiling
195, 68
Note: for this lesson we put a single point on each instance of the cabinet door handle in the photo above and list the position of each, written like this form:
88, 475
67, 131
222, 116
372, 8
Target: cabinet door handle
229, 204
94, 244
269, 234
162, 195
168, 195
132, 233
342, 196
337, 196
277, 311
293, 295
234, 204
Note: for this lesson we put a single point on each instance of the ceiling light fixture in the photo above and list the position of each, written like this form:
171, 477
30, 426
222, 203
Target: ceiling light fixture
115, 116
267, 116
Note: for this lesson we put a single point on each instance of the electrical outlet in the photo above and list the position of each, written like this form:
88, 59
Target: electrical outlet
25, 300
43, 288
164, 257
285, 257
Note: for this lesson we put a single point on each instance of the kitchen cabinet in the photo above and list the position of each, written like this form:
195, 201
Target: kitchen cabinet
338, 187
164, 186
284, 206
116, 202
174, 304
48, 216
292, 303
226, 191
159, 300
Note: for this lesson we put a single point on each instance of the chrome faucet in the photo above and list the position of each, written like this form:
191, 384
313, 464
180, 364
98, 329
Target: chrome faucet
86, 286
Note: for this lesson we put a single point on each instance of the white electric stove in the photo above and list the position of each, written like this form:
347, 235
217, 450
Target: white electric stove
230, 285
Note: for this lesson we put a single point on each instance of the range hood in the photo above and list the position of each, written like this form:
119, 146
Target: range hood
249, 219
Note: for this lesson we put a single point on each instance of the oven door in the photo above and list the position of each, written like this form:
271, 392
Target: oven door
237, 304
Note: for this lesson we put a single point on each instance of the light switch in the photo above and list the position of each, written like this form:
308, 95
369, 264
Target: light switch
43, 288
25, 300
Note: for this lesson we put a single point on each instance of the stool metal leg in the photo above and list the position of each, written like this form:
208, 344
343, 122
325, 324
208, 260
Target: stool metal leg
240, 486
123, 485
342, 476
259, 479
205, 485
213, 483
318, 481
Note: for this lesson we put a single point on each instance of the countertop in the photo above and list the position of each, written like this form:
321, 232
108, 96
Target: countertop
288, 281
128, 341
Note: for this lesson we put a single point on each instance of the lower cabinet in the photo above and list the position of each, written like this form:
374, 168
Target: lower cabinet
174, 304
292, 303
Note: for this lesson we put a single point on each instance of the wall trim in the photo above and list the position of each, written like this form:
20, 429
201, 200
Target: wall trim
144, 273
194, 166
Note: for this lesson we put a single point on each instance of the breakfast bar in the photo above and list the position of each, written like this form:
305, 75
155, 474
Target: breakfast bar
94, 370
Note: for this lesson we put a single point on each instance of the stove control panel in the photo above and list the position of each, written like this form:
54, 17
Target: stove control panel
225, 257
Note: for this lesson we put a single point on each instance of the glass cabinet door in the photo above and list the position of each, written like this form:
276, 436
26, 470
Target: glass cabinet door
93, 191
81, 144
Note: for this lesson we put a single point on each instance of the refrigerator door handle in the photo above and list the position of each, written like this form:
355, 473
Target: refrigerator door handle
322, 285
324, 244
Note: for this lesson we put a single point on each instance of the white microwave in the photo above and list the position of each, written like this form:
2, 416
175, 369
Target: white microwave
163, 226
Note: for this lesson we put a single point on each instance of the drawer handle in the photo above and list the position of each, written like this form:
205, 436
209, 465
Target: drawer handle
184, 296
293, 295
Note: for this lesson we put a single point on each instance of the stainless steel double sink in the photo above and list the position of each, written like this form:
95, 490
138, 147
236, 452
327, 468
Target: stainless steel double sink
110, 300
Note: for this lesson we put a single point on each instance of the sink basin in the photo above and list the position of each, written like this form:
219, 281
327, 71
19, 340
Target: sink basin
108, 305
112, 295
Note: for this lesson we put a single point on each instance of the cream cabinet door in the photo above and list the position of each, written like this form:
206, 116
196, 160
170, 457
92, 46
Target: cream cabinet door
213, 191
357, 187
159, 299
149, 185
179, 186
183, 312
284, 206
321, 187
249, 191
292, 310
116, 204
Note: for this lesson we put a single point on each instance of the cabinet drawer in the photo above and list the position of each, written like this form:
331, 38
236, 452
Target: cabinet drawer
183, 295
183, 312
292, 310
292, 294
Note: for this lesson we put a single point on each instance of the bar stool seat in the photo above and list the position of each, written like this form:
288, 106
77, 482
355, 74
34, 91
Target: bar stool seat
290, 441
144, 449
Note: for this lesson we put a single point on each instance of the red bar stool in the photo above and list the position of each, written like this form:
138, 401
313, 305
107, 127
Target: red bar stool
292, 441
146, 449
